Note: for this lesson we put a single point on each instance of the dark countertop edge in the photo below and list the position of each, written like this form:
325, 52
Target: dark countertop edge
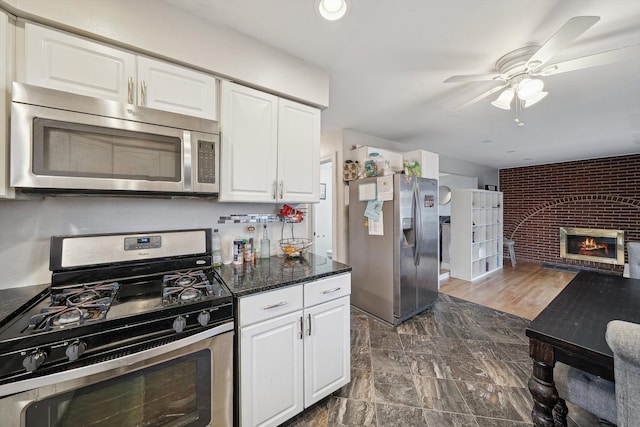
269, 287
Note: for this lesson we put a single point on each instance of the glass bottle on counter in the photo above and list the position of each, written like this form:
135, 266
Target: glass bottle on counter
265, 244
216, 249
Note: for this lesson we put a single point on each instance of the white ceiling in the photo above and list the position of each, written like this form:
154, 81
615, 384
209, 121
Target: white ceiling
388, 59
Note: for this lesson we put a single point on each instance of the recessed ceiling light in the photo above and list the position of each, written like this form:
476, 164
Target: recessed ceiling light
511, 151
332, 10
485, 141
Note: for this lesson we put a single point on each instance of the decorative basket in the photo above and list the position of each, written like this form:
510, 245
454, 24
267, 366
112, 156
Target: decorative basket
294, 248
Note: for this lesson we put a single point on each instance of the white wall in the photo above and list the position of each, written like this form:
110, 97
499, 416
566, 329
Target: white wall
162, 30
485, 174
27, 225
455, 182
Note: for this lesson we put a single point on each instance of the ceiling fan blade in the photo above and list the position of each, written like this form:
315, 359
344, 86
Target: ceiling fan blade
474, 78
571, 30
602, 58
482, 96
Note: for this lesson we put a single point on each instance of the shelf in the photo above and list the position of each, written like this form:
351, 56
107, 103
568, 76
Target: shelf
476, 233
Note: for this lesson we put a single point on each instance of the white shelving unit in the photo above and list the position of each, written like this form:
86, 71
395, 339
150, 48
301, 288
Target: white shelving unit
476, 233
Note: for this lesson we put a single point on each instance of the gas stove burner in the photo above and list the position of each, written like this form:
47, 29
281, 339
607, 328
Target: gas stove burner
189, 294
85, 293
68, 316
82, 297
60, 316
185, 287
185, 281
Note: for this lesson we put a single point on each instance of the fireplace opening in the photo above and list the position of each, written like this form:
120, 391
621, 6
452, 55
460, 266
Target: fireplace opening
592, 244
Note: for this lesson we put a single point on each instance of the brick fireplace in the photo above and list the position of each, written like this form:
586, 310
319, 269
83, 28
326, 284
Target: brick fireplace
588, 194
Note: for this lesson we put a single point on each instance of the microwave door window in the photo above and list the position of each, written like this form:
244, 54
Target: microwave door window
79, 150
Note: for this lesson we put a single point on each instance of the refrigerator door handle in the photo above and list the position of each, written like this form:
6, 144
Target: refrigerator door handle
417, 219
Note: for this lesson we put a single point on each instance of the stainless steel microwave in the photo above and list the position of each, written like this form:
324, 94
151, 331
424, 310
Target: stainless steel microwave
68, 143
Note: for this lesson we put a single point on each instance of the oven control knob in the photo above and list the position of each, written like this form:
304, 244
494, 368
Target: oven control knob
75, 350
34, 360
203, 318
179, 324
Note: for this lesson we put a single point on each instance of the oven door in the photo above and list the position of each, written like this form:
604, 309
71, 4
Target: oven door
188, 382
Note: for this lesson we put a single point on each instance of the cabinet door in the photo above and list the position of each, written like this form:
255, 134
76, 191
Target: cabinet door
326, 349
249, 147
271, 371
178, 89
62, 61
298, 152
7, 31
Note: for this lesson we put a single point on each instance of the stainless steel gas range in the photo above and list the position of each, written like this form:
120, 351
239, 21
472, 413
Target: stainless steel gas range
136, 329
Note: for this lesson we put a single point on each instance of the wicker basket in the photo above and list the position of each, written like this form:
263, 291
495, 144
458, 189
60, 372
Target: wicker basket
294, 248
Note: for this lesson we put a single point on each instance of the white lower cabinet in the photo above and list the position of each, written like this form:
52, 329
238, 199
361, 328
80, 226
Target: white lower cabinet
327, 365
294, 348
271, 371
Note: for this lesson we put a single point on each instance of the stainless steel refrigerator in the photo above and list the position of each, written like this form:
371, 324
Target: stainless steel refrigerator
395, 260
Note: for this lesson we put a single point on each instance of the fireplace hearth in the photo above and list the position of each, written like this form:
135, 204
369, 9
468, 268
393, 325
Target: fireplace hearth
592, 244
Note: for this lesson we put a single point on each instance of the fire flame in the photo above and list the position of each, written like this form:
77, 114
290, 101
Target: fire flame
590, 244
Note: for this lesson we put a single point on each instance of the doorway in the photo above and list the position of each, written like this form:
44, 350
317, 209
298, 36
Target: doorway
323, 212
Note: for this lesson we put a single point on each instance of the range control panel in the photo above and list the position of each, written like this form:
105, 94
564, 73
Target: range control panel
144, 242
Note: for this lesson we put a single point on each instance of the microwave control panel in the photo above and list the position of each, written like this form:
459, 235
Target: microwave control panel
206, 162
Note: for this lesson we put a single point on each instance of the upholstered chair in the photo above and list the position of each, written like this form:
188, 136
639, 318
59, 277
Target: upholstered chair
614, 403
633, 252
624, 340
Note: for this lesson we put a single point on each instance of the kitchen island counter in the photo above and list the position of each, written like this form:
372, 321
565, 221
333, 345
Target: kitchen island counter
277, 272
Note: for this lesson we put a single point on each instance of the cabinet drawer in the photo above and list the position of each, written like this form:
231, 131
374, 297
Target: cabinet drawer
326, 289
265, 305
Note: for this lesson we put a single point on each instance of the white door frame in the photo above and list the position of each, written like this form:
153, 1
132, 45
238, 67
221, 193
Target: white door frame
331, 158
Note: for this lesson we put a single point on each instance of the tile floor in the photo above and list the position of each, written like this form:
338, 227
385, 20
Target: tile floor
456, 364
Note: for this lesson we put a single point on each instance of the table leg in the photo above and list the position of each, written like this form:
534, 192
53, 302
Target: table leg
560, 412
541, 385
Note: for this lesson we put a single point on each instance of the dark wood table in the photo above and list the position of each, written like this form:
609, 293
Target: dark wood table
571, 330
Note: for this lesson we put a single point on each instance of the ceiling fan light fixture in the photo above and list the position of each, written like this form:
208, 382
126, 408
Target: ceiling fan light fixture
529, 102
332, 10
504, 100
529, 88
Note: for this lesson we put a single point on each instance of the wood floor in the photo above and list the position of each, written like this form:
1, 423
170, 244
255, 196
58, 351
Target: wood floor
523, 290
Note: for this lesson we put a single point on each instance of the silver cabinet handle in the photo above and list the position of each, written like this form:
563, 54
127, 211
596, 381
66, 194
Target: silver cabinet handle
130, 91
301, 327
309, 330
143, 92
280, 304
275, 189
281, 189
328, 291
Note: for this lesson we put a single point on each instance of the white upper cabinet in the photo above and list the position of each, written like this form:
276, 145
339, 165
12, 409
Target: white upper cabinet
169, 87
249, 144
7, 30
270, 148
298, 152
64, 61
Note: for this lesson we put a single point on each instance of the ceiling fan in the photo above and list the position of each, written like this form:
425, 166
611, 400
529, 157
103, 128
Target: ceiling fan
517, 72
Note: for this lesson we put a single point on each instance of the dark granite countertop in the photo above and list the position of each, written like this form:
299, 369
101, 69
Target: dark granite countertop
277, 272
14, 298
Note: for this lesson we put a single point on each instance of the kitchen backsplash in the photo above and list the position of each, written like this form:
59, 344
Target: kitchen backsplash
27, 225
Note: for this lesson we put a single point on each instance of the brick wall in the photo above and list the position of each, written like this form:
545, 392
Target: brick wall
597, 193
